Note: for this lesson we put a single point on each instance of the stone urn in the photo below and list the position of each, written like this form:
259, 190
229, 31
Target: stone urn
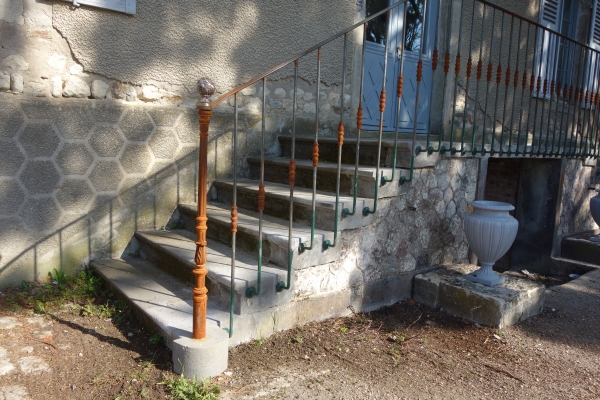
595, 210
490, 231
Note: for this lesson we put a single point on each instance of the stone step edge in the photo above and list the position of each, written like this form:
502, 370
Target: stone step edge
217, 272
365, 172
224, 219
328, 203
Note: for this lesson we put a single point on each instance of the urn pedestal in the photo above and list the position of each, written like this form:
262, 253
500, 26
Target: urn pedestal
595, 210
490, 231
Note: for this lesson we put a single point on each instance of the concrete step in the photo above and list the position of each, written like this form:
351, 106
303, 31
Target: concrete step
164, 303
174, 252
328, 151
278, 202
579, 247
275, 235
277, 168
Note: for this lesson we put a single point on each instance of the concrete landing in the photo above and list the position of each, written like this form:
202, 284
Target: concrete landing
503, 305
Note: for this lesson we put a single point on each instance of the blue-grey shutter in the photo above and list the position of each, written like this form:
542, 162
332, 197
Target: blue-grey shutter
547, 42
592, 70
124, 6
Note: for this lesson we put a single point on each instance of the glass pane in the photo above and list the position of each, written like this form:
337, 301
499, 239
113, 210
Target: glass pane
377, 28
414, 25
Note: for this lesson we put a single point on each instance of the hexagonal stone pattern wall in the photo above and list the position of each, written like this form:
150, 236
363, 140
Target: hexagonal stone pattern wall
11, 197
136, 125
75, 195
12, 158
62, 161
106, 176
11, 119
136, 158
74, 159
106, 140
39, 139
41, 214
40, 177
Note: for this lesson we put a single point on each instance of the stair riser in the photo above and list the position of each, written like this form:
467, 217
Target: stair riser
278, 207
275, 249
183, 271
329, 152
326, 181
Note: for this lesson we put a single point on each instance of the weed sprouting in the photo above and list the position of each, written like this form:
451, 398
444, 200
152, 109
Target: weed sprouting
182, 388
156, 339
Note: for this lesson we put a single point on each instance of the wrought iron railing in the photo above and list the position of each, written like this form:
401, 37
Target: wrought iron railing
535, 90
526, 111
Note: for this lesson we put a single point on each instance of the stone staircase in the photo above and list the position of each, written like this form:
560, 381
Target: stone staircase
155, 273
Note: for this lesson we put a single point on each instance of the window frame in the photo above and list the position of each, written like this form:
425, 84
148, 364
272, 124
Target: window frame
123, 6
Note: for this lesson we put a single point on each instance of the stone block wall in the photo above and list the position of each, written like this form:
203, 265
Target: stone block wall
416, 231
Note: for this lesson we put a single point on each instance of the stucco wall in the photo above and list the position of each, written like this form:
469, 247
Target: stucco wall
176, 42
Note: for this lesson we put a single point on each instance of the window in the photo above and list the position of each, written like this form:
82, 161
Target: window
553, 53
556, 58
124, 6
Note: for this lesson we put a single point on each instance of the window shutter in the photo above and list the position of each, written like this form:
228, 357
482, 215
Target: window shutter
592, 67
124, 6
547, 42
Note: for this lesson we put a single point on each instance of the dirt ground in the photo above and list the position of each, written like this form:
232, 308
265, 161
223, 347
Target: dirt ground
72, 350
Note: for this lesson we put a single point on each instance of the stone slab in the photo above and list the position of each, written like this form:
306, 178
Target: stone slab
579, 247
506, 304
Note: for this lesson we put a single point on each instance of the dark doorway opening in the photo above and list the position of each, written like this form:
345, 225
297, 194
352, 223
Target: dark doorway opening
531, 186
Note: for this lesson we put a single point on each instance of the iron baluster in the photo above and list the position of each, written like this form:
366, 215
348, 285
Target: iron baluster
414, 151
456, 73
382, 98
469, 66
552, 95
281, 285
515, 84
399, 89
498, 82
359, 114
506, 85
538, 89
523, 90
327, 243
315, 159
479, 72
234, 214
488, 79
434, 63
255, 290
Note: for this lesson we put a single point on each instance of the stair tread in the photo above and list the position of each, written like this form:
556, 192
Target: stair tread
403, 142
274, 229
160, 296
301, 195
181, 244
346, 169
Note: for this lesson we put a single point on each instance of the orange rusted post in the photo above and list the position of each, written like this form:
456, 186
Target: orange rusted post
206, 89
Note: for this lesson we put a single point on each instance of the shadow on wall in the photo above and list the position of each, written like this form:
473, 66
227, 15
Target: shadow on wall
175, 43
108, 227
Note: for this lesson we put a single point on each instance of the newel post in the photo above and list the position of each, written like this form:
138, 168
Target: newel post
206, 88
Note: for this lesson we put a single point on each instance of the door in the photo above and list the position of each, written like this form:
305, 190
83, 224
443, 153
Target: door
382, 30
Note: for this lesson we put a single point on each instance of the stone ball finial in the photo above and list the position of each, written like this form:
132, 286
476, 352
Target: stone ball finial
206, 89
